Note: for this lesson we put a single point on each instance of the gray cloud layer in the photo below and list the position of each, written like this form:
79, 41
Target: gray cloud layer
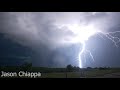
34, 29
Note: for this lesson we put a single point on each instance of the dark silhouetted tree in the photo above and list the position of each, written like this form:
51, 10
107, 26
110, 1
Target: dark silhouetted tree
76, 68
69, 68
89, 68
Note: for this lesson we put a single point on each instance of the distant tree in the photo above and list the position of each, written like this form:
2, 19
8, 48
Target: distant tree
96, 68
89, 67
69, 68
102, 68
76, 68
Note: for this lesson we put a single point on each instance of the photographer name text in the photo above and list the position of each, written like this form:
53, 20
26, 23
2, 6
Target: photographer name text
21, 74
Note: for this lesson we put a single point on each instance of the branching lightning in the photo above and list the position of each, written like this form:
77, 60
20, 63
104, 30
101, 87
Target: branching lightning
84, 50
108, 35
80, 54
83, 33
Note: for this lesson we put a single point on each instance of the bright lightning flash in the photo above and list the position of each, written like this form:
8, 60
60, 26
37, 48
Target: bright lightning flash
83, 33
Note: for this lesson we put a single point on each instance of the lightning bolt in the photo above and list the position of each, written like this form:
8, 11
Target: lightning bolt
80, 54
108, 35
82, 35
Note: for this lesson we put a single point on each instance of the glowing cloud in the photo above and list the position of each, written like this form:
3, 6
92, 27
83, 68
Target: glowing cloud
57, 29
82, 33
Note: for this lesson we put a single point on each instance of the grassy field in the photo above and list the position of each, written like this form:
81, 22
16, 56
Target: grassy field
62, 73
85, 74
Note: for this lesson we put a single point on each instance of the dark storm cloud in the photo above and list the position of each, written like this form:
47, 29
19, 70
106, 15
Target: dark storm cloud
41, 32
33, 29
36, 28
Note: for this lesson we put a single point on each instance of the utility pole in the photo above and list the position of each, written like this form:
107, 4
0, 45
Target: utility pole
66, 73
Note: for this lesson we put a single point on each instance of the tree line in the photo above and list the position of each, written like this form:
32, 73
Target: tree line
28, 67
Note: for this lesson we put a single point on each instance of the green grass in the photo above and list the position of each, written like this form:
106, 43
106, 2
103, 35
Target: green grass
87, 74
53, 75
97, 73
61, 72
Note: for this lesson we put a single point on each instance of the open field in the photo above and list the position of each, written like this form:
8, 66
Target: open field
63, 73
85, 74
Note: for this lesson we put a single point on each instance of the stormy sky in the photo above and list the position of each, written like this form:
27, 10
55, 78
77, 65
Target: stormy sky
46, 35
